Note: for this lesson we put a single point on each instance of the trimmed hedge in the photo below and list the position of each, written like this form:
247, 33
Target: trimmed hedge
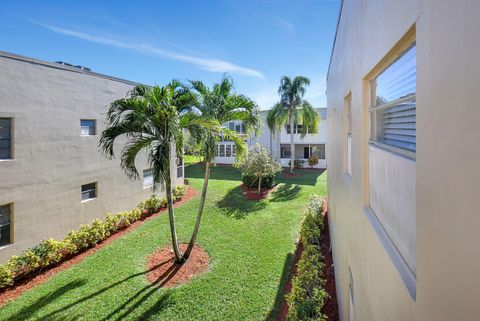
51, 251
252, 181
308, 295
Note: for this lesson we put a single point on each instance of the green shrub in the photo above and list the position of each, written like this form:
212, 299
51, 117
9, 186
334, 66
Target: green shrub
153, 204
307, 296
252, 181
297, 163
178, 192
6, 275
186, 181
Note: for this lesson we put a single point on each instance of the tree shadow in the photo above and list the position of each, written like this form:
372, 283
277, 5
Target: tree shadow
274, 313
235, 205
220, 172
130, 304
286, 192
27, 311
302, 176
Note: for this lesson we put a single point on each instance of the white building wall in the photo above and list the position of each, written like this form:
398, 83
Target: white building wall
444, 200
51, 159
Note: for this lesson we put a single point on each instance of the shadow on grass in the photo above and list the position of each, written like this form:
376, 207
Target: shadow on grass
302, 176
280, 297
45, 300
286, 192
130, 304
234, 204
220, 172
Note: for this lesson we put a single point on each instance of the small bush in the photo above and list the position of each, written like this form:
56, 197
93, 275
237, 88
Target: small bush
307, 296
186, 181
297, 163
312, 161
178, 192
153, 204
252, 181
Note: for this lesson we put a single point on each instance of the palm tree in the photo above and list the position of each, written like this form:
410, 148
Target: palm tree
153, 119
293, 109
222, 104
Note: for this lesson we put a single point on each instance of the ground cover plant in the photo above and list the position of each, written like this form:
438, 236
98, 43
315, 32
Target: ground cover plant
250, 244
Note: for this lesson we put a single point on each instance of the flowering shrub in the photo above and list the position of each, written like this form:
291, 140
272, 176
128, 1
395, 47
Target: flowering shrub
308, 295
51, 251
259, 164
312, 161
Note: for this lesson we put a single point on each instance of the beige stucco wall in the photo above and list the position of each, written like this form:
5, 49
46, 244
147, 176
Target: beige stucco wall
52, 160
447, 159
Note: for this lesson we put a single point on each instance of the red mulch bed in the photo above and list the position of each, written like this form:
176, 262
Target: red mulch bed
29, 282
330, 309
251, 193
164, 272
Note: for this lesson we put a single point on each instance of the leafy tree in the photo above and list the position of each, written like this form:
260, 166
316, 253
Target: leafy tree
153, 119
259, 163
223, 104
293, 109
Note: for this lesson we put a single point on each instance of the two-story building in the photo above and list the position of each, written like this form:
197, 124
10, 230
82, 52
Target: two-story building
52, 175
278, 142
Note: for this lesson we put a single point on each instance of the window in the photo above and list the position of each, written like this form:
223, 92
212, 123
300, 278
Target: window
299, 129
285, 152
239, 128
222, 150
179, 167
318, 151
89, 191
228, 152
147, 178
88, 127
287, 127
6, 138
231, 125
5, 224
393, 106
234, 150
216, 151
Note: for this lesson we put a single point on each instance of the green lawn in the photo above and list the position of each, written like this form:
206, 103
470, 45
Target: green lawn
250, 244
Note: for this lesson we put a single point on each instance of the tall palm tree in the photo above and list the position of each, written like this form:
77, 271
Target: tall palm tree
222, 104
293, 109
153, 119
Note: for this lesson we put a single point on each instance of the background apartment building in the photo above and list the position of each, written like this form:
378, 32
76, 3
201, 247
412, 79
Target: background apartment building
52, 175
403, 182
278, 143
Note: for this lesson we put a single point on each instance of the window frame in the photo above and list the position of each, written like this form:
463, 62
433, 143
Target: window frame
373, 108
152, 183
179, 163
89, 190
9, 224
11, 138
94, 127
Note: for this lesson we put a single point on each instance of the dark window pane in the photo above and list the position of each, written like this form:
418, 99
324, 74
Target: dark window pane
5, 235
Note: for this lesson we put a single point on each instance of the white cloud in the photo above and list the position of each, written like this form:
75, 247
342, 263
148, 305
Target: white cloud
210, 64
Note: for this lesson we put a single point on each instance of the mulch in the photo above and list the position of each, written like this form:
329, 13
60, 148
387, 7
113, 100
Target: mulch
330, 309
164, 272
32, 281
251, 193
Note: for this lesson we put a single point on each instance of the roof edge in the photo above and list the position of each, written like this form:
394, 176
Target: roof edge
335, 38
17, 57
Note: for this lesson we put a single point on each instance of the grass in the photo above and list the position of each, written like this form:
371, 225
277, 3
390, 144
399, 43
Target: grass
191, 159
250, 243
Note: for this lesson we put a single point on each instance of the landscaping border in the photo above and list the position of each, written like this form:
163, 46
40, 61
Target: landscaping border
22, 285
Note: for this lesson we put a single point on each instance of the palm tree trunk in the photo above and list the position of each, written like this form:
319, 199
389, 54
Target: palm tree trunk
292, 143
200, 210
171, 218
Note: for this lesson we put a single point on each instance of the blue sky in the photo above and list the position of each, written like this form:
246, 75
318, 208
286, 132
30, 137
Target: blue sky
152, 42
